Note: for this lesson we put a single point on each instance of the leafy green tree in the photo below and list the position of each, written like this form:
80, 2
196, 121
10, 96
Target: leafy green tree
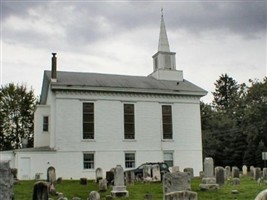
255, 122
17, 106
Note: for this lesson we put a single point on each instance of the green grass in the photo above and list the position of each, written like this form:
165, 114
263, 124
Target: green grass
248, 190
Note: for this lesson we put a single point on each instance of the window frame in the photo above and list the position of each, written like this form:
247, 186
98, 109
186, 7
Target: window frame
88, 135
90, 163
129, 163
167, 125
45, 126
168, 161
129, 122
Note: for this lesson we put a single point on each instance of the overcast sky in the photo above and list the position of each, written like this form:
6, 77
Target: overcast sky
210, 38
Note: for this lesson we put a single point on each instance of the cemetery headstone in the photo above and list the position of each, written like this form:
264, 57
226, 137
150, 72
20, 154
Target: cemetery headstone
235, 181
227, 172
40, 191
244, 170
175, 169
83, 181
130, 177
51, 175
94, 196
251, 171
262, 195
257, 173
147, 173
6, 181
190, 172
119, 189
235, 176
98, 174
156, 176
220, 175
208, 181
110, 177
178, 186
235, 172
103, 185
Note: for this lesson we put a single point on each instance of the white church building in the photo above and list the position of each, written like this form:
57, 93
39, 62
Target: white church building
90, 120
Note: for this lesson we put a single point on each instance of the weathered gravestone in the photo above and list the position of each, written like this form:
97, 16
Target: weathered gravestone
208, 181
98, 174
51, 175
119, 189
175, 169
6, 181
235, 176
40, 191
103, 185
147, 173
156, 176
220, 175
235, 172
94, 196
257, 173
83, 181
190, 172
177, 186
251, 171
244, 170
262, 195
110, 177
227, 172
130, 177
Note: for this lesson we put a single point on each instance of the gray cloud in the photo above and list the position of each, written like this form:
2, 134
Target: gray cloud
88, 22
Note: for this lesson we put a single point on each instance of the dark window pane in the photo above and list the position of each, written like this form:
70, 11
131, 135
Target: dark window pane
129, 118
88, 117
129, 124
45, 123
128, 108
88, 107
88, 121
88, 161
167, 121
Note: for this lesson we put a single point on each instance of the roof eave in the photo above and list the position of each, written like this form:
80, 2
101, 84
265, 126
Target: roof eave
128, 90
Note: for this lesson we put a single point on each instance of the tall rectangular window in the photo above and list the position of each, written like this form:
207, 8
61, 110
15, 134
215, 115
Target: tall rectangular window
88, 161
88, 120
168, 158
45, 123
129, 160
167, 121
129, 121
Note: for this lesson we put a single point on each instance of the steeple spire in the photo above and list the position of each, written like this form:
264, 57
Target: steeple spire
164, 64
163, 39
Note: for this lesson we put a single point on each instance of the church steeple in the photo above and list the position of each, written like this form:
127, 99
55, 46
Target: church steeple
164, 63
163, 39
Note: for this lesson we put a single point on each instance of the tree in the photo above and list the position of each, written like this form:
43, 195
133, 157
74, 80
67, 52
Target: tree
226, 93
224, 137
17, 106
255, 122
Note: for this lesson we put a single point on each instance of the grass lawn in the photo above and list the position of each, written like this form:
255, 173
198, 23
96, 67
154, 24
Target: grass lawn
248, 190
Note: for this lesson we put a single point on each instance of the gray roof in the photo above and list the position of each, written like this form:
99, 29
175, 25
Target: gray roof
117, 83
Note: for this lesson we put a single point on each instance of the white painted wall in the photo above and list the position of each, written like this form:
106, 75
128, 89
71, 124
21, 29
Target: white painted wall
41, 138
109, 146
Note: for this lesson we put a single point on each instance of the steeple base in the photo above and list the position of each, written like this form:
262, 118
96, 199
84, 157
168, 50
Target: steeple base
168, 75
